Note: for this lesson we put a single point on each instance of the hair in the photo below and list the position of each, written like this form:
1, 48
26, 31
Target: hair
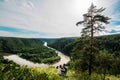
57, 67
61, 66
64, 64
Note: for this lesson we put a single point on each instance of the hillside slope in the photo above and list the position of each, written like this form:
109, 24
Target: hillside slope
14, 45
30, 49
64, 45
108, 42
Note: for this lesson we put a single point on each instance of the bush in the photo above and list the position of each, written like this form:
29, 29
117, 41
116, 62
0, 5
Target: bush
12, 71
85, 76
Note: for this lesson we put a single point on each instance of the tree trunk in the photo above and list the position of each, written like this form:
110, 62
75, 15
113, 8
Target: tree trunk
90, 65
91, 47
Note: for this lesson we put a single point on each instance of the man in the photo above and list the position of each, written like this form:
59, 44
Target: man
65, 68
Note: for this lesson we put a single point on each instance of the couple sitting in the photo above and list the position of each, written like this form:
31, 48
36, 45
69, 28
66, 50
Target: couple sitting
62, 70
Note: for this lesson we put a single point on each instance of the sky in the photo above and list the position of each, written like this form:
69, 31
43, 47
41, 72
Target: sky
52, 18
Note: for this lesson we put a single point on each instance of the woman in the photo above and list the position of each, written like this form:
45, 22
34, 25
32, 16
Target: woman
61, 70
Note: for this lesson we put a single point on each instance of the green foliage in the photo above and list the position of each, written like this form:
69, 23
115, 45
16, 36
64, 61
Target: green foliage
30, 49
12, 71
1, 50
104, 61
16, 45
85, 76
111, 43
64, 45
48, 40
78, 65
115, 66
108, 46
48, 56
51, 59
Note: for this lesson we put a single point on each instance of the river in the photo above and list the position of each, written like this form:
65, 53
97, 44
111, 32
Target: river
23, 62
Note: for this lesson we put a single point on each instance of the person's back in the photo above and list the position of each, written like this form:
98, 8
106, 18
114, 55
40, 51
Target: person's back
66, 68
60, 70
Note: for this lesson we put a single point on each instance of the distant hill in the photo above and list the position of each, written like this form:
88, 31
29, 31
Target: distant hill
108, 42
52, 40
64, 45
10, 44
48, 40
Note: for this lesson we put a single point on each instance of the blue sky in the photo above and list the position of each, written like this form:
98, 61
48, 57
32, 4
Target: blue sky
19, 31
52, 18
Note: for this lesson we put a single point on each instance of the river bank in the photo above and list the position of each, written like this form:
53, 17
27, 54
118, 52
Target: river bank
24, 62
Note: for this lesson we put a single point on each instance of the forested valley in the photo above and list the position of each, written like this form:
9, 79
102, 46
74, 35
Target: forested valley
106, 60
30, 49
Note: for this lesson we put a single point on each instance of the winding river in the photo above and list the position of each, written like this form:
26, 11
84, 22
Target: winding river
24, 62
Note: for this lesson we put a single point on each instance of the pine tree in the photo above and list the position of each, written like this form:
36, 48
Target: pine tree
93, 22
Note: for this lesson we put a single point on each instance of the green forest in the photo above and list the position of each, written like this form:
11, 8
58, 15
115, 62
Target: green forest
30, 49
110, 43
106, 61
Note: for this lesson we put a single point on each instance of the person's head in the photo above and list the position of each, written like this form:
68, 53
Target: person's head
64, 64
57, 67
60, 66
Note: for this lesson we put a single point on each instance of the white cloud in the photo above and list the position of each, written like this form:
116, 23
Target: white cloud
48, 16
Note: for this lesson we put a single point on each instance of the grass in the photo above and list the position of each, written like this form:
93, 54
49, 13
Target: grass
113, 77
52, 75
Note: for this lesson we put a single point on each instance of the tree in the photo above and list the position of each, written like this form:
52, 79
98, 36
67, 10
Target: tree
104, 61
93, 22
